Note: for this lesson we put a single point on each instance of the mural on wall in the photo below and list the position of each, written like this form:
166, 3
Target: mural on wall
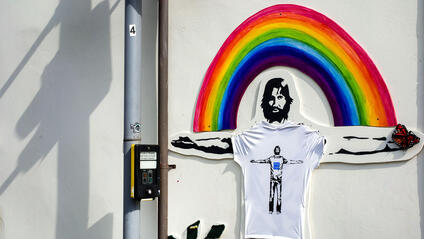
293, 36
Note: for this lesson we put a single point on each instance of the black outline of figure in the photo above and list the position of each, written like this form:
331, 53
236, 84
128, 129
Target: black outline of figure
275, 176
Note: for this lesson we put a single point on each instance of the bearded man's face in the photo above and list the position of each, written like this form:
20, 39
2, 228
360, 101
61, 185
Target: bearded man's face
277, 101
276, 108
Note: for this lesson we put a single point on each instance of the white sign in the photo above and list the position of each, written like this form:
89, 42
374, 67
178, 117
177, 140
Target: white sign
132, 30
149, 156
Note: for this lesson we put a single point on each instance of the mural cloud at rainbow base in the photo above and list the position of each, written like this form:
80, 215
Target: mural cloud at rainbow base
298, 37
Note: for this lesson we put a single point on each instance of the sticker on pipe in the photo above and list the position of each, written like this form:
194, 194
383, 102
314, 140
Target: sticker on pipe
132, 30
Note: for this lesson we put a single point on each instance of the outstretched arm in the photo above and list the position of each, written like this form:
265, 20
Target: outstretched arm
204, 145
285, 161
215, 145
260, 161
364, 144
294, 161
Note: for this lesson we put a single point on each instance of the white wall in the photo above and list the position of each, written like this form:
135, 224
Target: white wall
348, 201
61, 117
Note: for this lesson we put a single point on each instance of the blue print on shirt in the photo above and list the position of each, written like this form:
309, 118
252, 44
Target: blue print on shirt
276, 165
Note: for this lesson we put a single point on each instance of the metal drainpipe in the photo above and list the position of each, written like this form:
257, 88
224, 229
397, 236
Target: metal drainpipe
163, 118
132, 113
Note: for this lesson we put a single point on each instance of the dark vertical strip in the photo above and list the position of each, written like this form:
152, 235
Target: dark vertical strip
163, 118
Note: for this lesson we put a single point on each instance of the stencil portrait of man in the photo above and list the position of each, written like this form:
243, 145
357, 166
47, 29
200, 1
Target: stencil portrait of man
276, 100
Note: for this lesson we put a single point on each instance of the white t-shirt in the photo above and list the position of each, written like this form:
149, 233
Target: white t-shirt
277, 161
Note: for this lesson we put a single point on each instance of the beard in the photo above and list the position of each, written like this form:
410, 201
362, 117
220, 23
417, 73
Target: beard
276, 116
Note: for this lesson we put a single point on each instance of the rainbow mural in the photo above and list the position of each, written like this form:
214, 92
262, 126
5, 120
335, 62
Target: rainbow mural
294, 36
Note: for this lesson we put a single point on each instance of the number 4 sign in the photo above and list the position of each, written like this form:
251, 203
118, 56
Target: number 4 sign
132, 30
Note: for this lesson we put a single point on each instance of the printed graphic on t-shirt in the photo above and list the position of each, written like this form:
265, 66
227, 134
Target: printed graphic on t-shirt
276, 162
277, 165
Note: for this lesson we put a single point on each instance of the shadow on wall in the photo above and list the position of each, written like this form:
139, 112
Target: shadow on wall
420, 106
72, 86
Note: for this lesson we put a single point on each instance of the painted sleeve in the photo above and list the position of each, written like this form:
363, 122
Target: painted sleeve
316, 149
